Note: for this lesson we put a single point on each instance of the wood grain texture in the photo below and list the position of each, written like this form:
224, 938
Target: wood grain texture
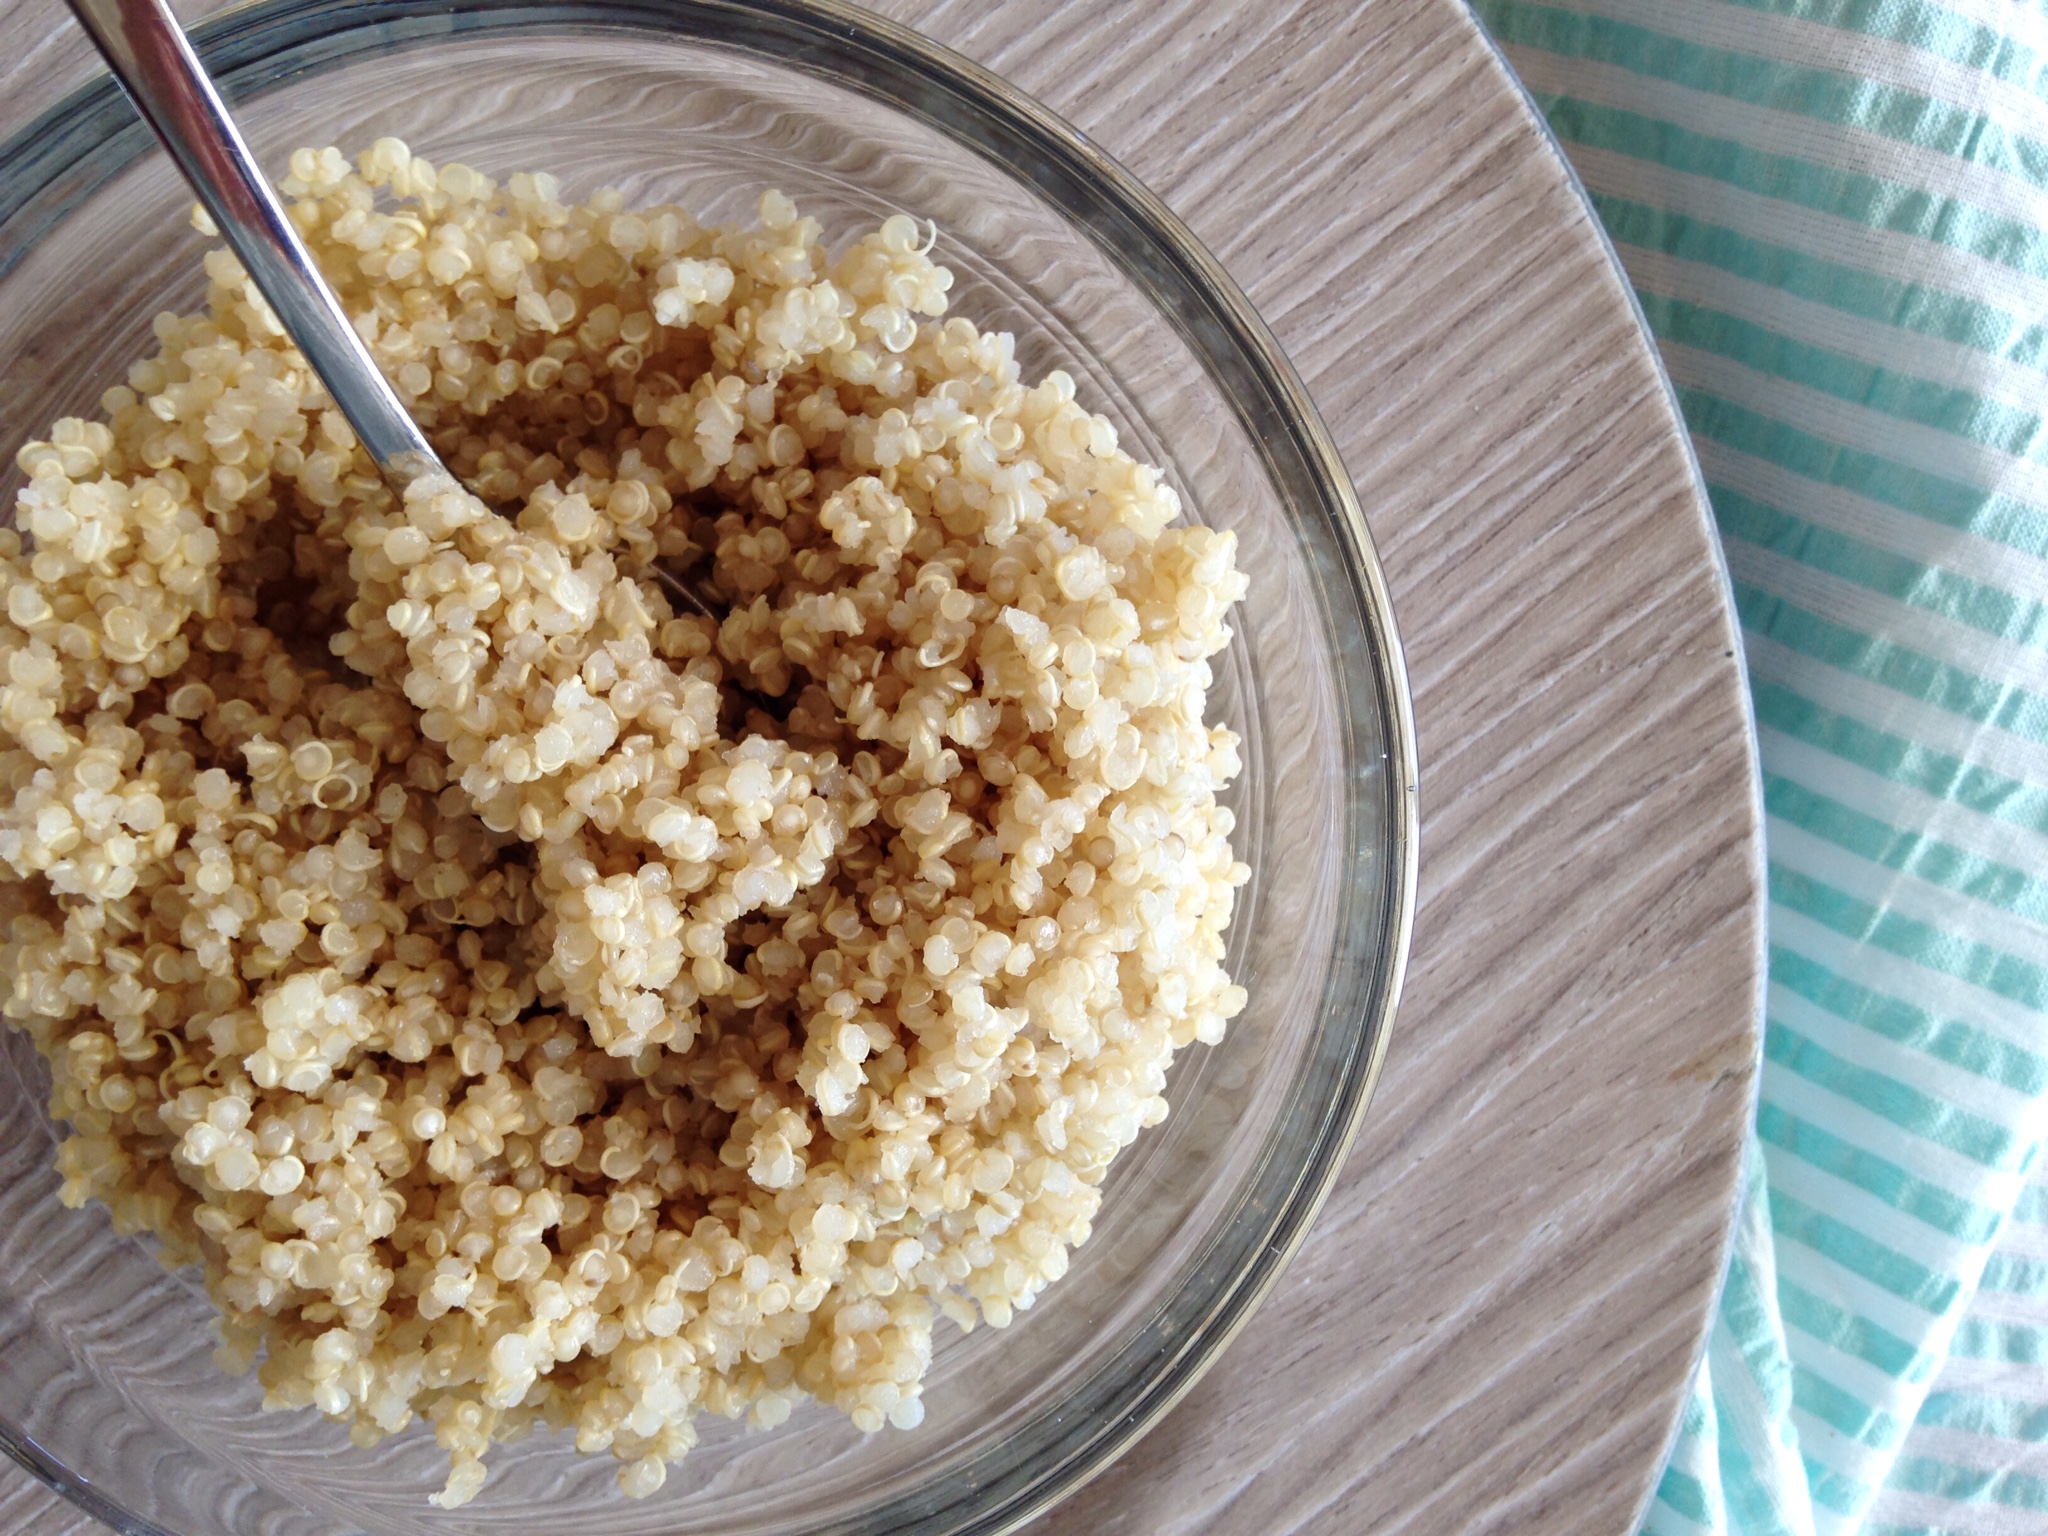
1492, 1324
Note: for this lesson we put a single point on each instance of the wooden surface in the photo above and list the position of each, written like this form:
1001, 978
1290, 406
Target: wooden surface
1492, 1324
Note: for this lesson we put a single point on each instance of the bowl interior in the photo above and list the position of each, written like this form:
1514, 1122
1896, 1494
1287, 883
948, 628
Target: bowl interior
106, 1377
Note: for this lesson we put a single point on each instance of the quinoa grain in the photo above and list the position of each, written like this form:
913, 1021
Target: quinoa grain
430, 937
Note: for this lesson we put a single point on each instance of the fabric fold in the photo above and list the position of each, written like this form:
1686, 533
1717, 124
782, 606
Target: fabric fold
1835, 214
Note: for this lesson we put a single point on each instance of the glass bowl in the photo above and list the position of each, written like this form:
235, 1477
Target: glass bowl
107, 1385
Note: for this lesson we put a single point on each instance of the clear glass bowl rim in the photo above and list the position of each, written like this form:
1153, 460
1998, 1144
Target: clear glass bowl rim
60, 158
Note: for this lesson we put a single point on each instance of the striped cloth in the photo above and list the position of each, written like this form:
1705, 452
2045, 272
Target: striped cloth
1836, 215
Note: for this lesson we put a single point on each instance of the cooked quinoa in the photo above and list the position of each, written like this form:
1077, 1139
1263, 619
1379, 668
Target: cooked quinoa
531, 1003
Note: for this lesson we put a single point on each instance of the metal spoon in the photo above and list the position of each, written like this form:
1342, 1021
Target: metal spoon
150, 55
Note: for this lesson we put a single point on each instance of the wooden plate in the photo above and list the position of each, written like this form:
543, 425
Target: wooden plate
1493, 1324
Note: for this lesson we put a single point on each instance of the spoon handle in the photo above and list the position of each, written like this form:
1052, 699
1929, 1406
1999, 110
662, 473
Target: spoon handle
150, 55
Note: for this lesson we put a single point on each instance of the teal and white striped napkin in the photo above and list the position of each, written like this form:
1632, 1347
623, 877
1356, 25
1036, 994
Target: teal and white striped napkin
1836, 215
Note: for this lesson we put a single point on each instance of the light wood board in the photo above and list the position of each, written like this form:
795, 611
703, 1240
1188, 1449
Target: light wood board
1493, 1322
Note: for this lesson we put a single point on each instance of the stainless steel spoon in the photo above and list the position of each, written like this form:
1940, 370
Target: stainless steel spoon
150, 55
